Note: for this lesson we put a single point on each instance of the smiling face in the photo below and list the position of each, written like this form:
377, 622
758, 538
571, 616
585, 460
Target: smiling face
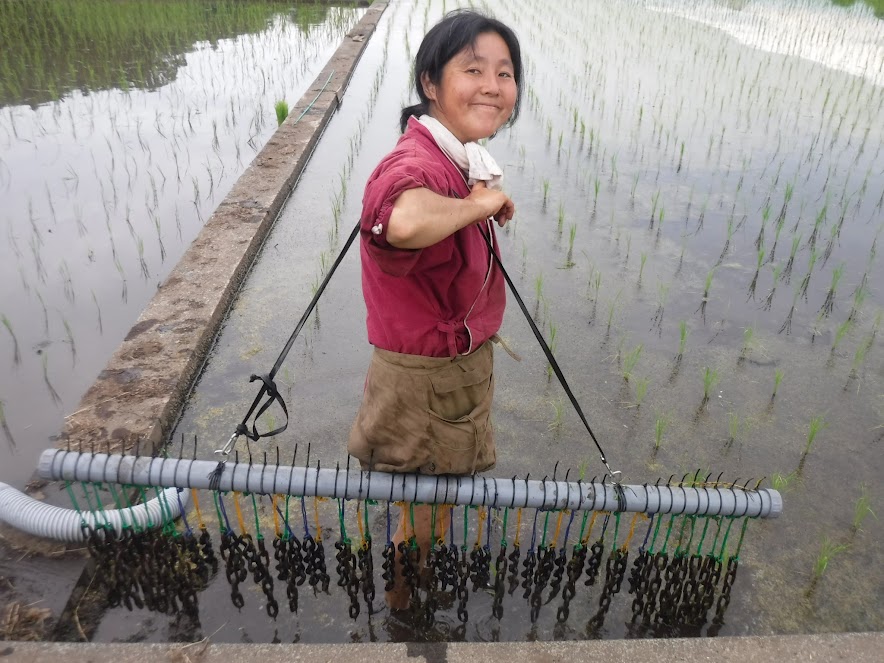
477, 91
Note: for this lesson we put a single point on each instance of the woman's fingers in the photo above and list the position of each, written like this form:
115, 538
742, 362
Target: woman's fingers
492, 203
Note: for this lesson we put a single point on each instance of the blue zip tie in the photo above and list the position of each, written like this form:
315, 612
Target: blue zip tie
389, 538
533, 531
289, 529
650, 527
183, 514
304, 513
568, 529
488, 530
224, 512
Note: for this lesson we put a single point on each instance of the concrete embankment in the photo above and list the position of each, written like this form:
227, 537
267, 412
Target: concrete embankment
782, 649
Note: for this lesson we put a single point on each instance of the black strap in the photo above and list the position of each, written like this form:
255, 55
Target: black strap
268, 387
549, 355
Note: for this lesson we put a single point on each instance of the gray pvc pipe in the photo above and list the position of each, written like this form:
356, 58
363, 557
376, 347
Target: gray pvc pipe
51, 522
59, 464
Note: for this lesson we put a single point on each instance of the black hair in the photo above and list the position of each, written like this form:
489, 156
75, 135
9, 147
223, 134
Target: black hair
458, 30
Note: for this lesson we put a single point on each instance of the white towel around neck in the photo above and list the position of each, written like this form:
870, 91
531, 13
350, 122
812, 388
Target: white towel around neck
471, 158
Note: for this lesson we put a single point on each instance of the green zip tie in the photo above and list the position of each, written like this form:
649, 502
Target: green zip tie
506, 514
258, 534
668, 532
146, 510
717, 534
412, 542
687, 548
678, 551
67, 485
367, 532
727, 533
703, 537
285, 530
344, 536
579, 545
135, 525
740, 542
543, 536
465, 517
616, 530
218, 511
97, 510
654, 538
433, 526
166, 511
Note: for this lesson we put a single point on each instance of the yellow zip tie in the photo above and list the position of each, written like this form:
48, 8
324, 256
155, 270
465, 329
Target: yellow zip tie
481, 521
518, 526
625, 545
275, 516
242, 523
595, 514
552, 544
196, 504
318, 536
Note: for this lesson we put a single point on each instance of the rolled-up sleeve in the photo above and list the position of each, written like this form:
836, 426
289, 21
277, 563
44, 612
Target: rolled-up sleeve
397, 174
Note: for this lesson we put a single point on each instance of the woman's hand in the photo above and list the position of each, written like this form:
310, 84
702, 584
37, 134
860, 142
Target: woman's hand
421, 218
492, 203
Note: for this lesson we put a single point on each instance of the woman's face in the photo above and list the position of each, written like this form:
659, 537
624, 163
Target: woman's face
477, 91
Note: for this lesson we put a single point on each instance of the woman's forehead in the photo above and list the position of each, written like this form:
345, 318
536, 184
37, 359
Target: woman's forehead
489, 47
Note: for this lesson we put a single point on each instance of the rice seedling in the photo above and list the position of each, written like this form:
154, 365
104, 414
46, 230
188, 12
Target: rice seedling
561, 218
710, 381
733, 427
840, 333
612, 308
759, 261
727, 241
595, 195
782, 482
662, 296
641, 268
641, 389
630, 360
572, 234
683, 333
817, 424
70, 338
820, 219
44, 355
829, 302
545, 184
7, 433
16, 355
805, 282
862, 509
748, 342
787, 271
557, 423
778, 378
705, 300
768, 300
828, 550
859, 356
660, 425
765, 217
654, 200
538, 291
859, 298
553, 342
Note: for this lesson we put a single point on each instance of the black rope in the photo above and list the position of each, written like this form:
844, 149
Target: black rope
268, 387
549, 355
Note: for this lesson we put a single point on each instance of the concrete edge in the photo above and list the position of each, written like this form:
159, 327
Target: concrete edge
138, 396
783, 649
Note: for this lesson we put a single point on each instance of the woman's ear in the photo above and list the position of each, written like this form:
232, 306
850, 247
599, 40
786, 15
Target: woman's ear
428, 86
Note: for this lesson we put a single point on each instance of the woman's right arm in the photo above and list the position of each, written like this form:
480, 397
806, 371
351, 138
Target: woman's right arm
421, 218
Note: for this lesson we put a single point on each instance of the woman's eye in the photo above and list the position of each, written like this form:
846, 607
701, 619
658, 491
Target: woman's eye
473, 71
505, 74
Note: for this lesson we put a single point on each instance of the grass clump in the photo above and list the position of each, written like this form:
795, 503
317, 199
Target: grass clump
282, 111
862, 509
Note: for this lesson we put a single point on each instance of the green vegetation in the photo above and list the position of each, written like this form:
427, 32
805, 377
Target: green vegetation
282, 111
862, 509
828, 550
138, 44
817, 424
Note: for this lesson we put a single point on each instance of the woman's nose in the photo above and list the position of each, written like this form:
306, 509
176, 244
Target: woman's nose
490, 84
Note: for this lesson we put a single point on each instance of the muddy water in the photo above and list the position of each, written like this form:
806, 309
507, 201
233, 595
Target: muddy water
643, 82
111, 159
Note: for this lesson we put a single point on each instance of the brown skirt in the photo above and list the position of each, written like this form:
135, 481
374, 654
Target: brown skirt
426, 414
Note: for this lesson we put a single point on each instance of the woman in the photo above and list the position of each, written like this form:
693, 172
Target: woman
434, 297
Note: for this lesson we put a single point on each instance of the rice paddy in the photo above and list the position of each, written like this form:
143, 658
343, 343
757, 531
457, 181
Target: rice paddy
112, 156
699, 156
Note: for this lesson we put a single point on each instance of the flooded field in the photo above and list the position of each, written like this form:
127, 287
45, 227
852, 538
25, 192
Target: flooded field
122, 126
699, 192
